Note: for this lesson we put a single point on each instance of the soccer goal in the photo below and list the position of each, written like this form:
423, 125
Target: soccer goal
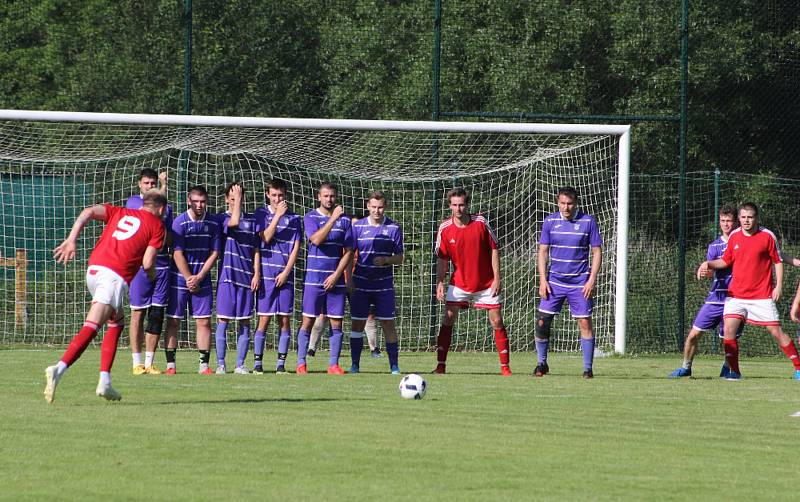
52, 164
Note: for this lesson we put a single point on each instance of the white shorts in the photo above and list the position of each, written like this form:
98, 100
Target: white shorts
480, 299
106, 286
758, 312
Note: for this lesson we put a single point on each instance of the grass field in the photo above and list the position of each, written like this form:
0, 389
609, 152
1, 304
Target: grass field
628, 434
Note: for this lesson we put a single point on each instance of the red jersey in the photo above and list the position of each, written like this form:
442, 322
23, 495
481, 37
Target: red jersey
470, 249
123, 242
751, 258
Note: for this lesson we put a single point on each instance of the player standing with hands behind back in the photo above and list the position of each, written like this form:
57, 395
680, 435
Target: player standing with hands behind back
468, 242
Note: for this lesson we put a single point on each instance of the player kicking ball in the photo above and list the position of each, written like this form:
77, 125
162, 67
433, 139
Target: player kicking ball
132, 237
468, 242
752, 254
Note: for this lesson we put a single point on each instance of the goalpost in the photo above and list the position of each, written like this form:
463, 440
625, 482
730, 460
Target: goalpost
52, 164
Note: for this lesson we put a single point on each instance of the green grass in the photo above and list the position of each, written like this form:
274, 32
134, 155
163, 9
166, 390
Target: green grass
628, 434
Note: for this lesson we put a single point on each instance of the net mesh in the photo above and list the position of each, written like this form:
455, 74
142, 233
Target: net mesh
50, 171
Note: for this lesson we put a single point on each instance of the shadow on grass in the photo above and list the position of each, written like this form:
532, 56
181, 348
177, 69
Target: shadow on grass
258, 400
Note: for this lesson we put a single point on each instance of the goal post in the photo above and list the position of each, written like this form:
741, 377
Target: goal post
54, 163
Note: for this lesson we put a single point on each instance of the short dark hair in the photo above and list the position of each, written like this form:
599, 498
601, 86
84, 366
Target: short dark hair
148, 172
727, 210
154, 198
569, 192
199, 190
458, 192
377, 195
750, 206
230, 187
276, 184
329, 185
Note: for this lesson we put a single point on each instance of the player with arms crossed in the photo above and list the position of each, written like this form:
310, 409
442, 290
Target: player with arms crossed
379, 246
239, 278
149, 299
752, 254
280, 244
710, 314
468, 242
568, 237
330, 251
196, 244
131, 238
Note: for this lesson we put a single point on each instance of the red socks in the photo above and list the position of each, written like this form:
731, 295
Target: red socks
791, 352
443, 343
501, 342
731, 354
80, 342
109, 348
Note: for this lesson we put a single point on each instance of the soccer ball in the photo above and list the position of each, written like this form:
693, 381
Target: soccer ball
413, 386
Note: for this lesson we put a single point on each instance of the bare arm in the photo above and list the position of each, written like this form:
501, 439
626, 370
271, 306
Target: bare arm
65, 251
268, 233
281, 279
149, 262
791, 260
717, 264
162, 181
442, 267
776, 291
541, 265
395, 259
495, 288
236, 209
207, 266
318, 237
344, 262
256, 281
597, 259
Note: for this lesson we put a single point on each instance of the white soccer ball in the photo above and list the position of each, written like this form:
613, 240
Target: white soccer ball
413, 386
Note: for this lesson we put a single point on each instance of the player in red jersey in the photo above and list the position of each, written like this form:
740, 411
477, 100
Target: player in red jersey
752, 253
468, 242
131, 238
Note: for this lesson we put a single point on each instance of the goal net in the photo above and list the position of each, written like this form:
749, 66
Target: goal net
53, 164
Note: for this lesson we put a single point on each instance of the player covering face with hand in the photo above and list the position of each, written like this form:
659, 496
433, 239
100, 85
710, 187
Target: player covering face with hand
131, 238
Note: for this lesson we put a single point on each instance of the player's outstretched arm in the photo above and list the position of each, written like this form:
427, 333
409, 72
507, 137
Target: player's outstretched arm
541, 265
795, 310
791, 260
65, 251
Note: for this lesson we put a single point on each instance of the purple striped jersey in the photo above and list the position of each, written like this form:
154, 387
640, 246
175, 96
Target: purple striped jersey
197, 240
372, 241
275, 254
239, 250
570, 242
722, 277
162, 258
322, 260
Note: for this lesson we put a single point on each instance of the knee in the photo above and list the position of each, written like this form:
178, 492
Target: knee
543, 325
155, 320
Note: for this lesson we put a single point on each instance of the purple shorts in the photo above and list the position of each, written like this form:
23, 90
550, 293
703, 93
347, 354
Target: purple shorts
317, 301
710, 316
578, 305
144, 293
272, 301
361, 301
234, 302
199, 303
